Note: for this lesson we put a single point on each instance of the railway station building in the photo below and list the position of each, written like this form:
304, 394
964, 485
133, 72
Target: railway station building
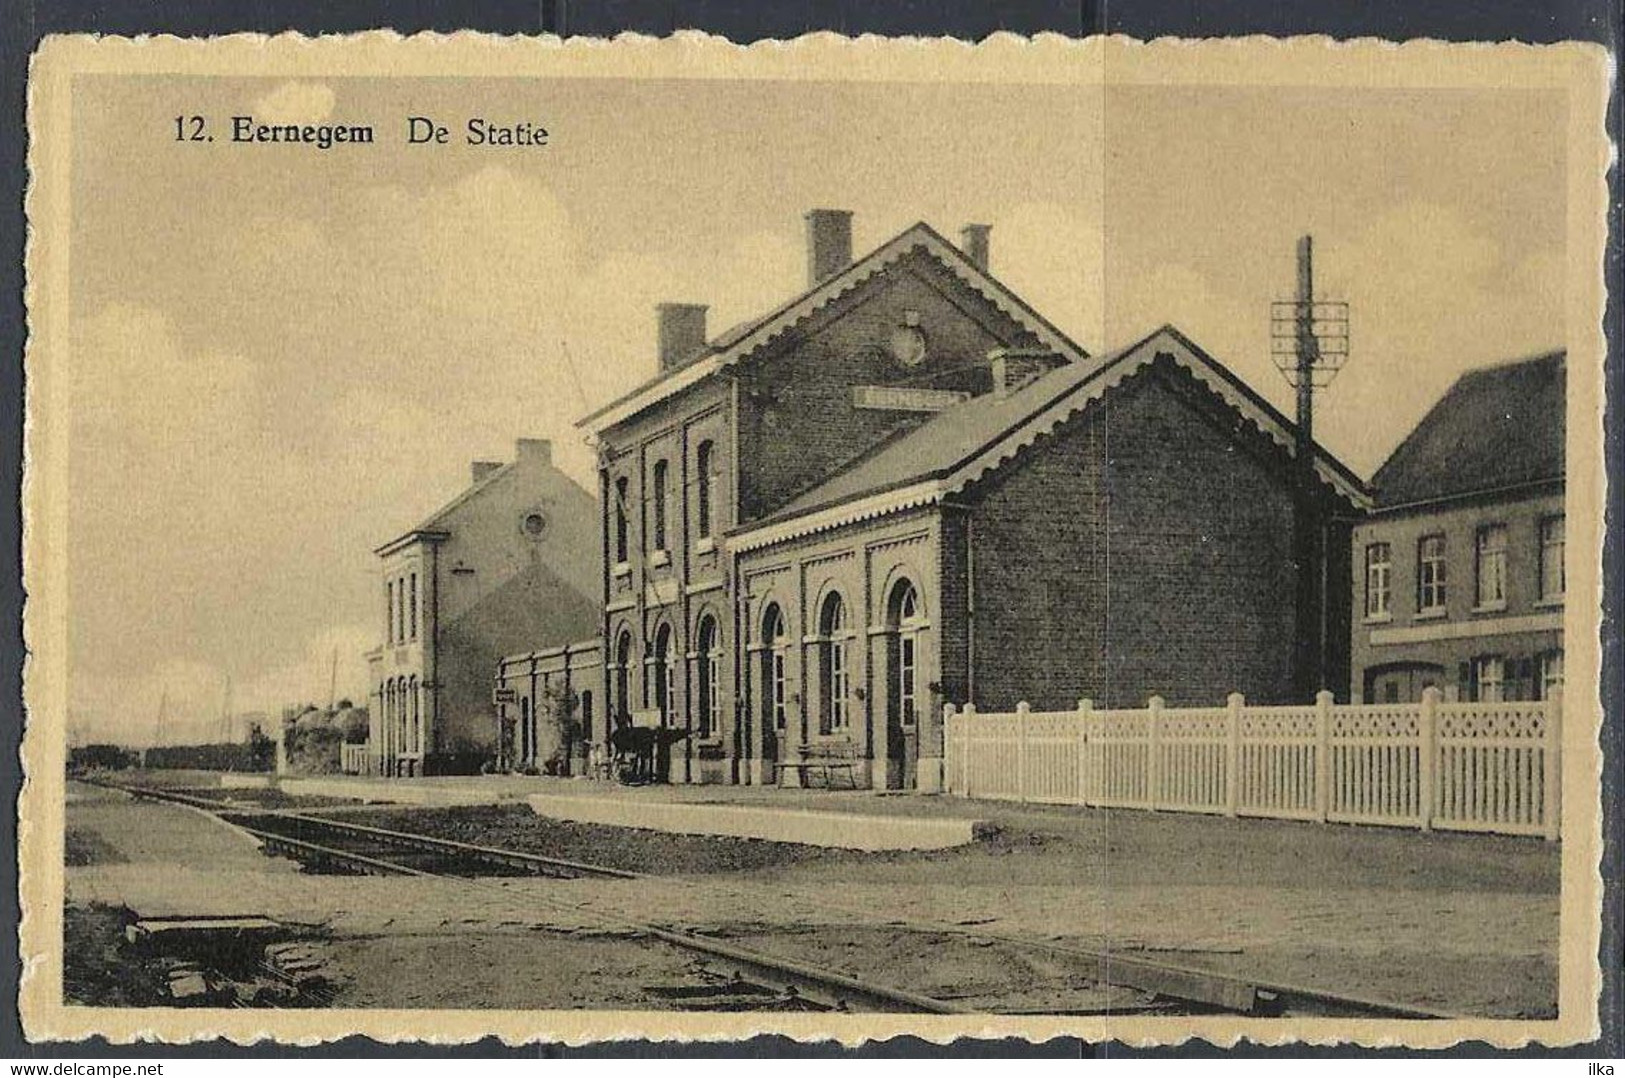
905, 488
1459, 570
510, 563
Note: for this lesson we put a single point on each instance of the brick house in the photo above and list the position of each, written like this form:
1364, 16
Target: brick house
1459, 570
905, 488
510, 563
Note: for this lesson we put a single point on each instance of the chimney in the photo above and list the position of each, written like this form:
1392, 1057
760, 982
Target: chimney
829, 244
1014, 368
682, 333
483, 468
973, 241
537, 449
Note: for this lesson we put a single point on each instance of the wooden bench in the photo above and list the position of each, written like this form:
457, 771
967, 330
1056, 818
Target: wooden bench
826, 758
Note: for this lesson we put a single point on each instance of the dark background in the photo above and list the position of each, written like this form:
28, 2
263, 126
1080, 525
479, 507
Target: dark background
24, 23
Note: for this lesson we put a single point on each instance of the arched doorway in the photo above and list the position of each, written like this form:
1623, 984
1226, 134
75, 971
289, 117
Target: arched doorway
659, 694
774, 713
903, 622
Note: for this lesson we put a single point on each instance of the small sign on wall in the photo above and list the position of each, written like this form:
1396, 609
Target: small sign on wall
504, 694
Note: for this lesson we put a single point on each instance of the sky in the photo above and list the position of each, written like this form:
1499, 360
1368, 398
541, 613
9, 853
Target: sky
282, 358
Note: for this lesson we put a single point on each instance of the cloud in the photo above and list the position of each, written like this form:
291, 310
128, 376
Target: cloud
295, 103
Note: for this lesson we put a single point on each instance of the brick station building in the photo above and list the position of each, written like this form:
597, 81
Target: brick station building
905, 488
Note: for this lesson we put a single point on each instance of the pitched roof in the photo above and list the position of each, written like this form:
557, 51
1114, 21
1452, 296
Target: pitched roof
744, 339
958, 446
1497, 427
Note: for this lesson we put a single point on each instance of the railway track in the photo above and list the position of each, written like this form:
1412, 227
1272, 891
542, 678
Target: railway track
748, 974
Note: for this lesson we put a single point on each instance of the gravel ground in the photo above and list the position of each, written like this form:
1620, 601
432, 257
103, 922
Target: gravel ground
1452, 922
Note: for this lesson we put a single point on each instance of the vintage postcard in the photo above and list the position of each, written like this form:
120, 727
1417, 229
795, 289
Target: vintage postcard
657, 538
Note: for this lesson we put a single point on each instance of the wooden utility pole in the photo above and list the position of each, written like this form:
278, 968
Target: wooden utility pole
1309, 342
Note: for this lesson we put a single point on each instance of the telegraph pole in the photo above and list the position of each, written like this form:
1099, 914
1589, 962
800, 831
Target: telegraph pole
1309, 343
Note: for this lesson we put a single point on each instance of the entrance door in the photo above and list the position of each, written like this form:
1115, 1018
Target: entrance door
902, 687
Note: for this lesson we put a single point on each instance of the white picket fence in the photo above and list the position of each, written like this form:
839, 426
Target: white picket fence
1456, 766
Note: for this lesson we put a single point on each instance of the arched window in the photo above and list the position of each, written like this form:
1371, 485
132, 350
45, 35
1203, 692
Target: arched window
902, 616
833, 668
401, 716
710, 681
620, 520
623, 673
702, 490
658, 496
660, 674
774, 643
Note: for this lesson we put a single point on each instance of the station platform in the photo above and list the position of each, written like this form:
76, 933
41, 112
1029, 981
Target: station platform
840, 819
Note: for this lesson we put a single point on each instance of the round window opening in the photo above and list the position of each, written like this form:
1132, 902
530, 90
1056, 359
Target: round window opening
534, 524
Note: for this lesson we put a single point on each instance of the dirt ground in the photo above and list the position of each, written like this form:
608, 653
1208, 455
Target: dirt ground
1465, 924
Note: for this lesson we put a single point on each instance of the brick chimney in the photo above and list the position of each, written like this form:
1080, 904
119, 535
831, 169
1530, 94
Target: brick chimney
682, 333
829, 244
483, 468
537, 449
973, 241
1016, 367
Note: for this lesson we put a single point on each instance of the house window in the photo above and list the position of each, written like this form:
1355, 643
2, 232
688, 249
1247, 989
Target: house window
904, 617
1492, 566
1489, 674
389, 618
659, 480
834, 669
1551, 672
702, 493
412, 605
620, 520
1378, 563
773, 659
1430, 574
710, 654
1551, 557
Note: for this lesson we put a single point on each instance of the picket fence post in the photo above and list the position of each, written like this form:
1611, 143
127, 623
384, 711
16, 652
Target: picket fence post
1323, 753
1085, 706
1552, 771
1427, 723
1021, 750
1153, 766
1232, 753
969, 719
954, 739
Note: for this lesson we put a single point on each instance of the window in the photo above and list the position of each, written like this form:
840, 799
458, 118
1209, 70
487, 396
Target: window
1430, 575
620, 520
586, 713
1489, 673
702, 492
524, 729
834, 670
389, 618
1378, 563
1492, 566
412, 605
1551, 558
659, 496
1551, 671
710, 681
773, 672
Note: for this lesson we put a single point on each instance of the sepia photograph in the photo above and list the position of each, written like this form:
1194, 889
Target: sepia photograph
845, 538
